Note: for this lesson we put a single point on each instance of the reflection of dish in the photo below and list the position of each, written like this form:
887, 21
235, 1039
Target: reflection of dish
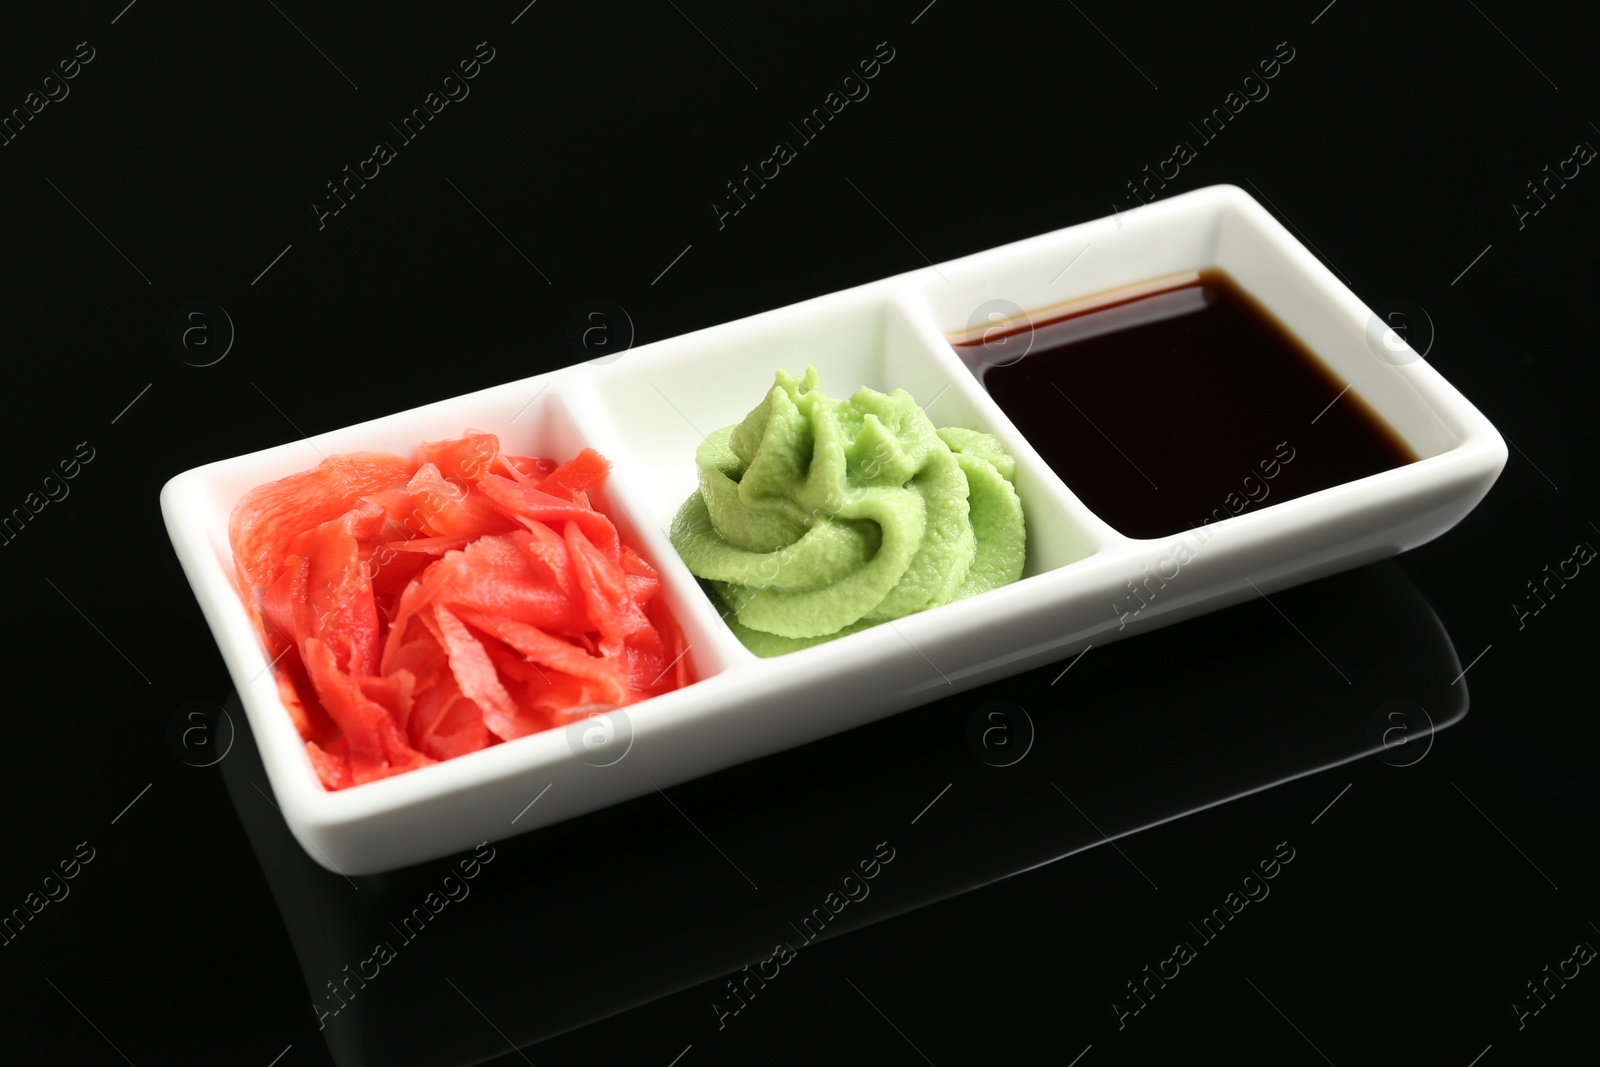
1237, 703
647, 412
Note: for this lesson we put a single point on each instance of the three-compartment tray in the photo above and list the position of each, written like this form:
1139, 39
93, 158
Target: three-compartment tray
648, 411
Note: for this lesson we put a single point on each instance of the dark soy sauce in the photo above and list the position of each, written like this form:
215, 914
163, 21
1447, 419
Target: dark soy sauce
1181, 405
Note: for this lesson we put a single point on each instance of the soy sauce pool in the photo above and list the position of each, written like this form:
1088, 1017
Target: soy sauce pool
1181, 405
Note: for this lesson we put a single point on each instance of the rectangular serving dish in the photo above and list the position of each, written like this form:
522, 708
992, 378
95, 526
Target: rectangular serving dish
647, 413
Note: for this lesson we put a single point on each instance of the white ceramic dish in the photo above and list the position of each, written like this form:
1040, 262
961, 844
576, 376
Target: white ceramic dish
647, 413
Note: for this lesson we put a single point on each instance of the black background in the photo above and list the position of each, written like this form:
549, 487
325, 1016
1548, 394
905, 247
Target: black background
186, 158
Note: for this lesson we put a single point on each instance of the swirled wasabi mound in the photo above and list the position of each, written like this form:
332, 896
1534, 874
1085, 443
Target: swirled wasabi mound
818, 517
